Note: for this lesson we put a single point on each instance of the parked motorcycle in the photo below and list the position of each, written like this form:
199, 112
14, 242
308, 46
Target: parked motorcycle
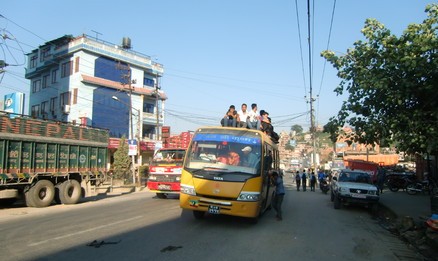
324, 186
397, 182
416, 187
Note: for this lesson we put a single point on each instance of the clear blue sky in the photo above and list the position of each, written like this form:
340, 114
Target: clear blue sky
215, 53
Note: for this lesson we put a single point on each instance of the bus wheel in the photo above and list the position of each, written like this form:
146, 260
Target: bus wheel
69, 192
161, 195
198, 214
41, 194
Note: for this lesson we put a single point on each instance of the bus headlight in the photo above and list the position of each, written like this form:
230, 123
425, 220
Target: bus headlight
151, 177
248, 196
189, 190
178, 178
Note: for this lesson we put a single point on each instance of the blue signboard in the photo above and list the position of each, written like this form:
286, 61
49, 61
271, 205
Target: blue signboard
13, 103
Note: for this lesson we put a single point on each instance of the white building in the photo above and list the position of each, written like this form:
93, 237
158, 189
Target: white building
88, 81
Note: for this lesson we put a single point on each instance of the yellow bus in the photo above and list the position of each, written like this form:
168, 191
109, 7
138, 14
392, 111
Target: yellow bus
226, 172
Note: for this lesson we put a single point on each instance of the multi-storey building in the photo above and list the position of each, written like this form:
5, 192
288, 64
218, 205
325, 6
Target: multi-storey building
91, 82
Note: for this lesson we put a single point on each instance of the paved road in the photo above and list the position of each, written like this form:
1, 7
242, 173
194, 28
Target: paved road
139, 226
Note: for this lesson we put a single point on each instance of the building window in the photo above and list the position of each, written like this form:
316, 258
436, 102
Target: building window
35, 112
64, 99
148, 82
66, 69
148, 107
53, 102
36, 86
33, 61
45, 108
75, 96
54, 75
45, 54
77, 64
45, 81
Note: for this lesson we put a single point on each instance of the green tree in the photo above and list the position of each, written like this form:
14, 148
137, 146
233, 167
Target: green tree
392, 85
122, 162
297, 128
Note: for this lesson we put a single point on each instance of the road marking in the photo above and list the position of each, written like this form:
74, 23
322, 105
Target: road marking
84, 231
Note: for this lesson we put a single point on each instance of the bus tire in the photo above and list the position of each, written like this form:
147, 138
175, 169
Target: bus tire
161, 195
69, 192
198, 214
41, 194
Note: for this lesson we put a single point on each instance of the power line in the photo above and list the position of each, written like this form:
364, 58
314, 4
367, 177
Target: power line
328, 44
301, 48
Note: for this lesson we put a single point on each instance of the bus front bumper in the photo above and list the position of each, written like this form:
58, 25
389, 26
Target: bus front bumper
216, 206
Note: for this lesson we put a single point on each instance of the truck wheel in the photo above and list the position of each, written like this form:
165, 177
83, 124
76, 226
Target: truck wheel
161, 195
69, 192
198, 214
41, 194
337, 203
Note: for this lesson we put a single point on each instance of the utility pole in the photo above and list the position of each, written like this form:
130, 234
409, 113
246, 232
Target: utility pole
312, 114
127, 77
157, 87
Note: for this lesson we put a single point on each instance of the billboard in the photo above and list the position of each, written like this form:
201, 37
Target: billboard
14, 103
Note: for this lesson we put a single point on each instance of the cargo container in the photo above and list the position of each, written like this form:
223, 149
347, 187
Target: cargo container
45, 161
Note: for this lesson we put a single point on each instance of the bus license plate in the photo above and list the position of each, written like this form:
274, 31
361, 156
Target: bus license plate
214, 209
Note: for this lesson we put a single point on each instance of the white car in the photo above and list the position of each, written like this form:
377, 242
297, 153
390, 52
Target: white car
354, 187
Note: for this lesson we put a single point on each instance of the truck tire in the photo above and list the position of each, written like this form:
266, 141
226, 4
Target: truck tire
69, 192
41, 194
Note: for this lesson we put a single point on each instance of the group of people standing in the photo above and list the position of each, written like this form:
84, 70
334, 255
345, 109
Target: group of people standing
301, 179
251, 119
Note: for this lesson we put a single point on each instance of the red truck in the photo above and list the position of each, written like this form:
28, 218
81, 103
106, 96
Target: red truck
165, 171
367, 166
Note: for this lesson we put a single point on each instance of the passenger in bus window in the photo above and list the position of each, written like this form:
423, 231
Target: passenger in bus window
249, 157
233, 158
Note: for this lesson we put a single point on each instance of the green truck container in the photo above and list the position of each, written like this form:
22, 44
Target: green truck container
45, 161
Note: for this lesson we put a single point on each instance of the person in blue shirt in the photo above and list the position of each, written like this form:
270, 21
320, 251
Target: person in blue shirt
279, 194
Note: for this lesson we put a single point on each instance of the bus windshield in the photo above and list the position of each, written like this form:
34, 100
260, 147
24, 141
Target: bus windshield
224, 156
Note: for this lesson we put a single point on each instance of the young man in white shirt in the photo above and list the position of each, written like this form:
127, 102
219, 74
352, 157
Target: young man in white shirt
254, 118
243, 116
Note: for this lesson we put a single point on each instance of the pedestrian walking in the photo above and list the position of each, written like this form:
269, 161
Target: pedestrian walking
298, 180
304, 179
277, 180
312, 181
381, 176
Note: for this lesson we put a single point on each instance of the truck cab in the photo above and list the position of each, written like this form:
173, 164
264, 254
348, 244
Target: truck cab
165, 171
